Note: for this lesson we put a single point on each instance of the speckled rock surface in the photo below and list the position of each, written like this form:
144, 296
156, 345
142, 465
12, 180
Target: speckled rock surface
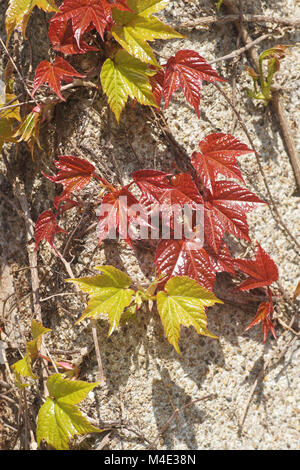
145, 377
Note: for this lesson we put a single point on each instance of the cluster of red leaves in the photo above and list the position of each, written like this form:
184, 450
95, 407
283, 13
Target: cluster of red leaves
225, 205
66, 30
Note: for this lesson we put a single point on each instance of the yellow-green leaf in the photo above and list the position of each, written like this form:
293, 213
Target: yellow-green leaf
23, 368
59, 420
147, 7
183, 303
19, 11
29, 130
10, 113
6, 131
108, 294
123, 77
133, 30
33, 347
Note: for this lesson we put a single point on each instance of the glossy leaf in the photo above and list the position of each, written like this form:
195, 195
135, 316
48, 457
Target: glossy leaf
54, 74
63, 40
185, 258
109, 294
263, 316
133, 30
19, 11
262, 271
123, 77
183, 302
186, 70
74, 174
46, 227
59, 420
217, 156
83, 13
226, 211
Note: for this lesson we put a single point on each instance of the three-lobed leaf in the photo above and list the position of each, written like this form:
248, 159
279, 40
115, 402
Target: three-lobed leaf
262, 271
46, 227
74, 174
186, 70
217, 156
109, 294
59, 420
133, 29
125, 76
54, 74
183, 302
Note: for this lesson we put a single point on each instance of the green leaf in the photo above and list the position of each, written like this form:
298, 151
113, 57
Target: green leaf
19, 11
124, 77
23, 368
29, 130
183, 303
133, 30
59, 419
108, 294
147, 7
33, 347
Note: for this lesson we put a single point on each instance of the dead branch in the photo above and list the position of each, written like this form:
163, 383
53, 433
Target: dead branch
206, 20
276, 99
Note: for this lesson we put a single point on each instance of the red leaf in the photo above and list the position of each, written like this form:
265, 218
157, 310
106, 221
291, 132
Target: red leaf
225, 210
54, 74
117, 214
218, 156
263, 316
120, 4
64, 204
157, 82
185, 258
156, 188
83, 13
222, 261
62, 39
74, 174
262, 271
45, 228
186, 70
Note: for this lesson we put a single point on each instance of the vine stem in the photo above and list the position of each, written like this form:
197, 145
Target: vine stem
92, 321
275, 100
287, 21
257, 156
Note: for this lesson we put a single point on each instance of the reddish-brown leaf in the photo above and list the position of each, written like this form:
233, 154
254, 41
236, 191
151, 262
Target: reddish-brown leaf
186, 70
222, 261
117, 214
185, 258
74, 173
84, 13
156, 188
217, 155
45, 228
264, 316
63, 40
157, 82
225, 211
262, 271
54, 74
